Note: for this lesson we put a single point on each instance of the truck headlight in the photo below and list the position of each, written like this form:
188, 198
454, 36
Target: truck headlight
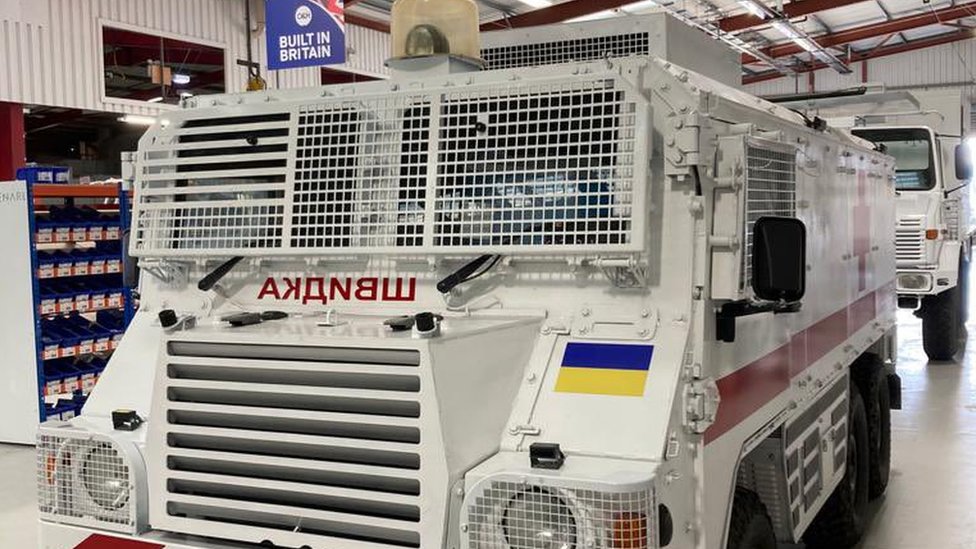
558, 513
105, 477
915, 281
538, 519
89, 479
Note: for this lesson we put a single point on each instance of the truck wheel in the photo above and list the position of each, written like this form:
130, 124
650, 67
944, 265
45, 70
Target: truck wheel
750, 527
963, 292
840, 523
872, 382
940, 324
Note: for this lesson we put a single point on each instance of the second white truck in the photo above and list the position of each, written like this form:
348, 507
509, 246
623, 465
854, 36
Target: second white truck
924, 132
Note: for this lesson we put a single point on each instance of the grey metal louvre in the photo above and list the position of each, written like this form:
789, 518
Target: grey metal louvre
319, 446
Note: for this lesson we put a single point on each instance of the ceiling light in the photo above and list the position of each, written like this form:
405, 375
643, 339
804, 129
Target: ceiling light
536, 3
138, 120
181, 79
754, 8
807, 44
786, 29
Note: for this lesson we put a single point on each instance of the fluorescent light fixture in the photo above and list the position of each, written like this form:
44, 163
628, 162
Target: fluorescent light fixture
786, 29
754, 8
807, 44
155, 100
138, 120
183, 79
532, 3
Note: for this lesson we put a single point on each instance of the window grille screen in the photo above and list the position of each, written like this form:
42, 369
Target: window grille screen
770, 192
519, 166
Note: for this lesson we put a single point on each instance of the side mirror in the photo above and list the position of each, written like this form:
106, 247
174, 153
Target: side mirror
779, 259
964, 163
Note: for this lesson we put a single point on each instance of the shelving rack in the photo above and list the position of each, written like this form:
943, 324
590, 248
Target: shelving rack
78, 297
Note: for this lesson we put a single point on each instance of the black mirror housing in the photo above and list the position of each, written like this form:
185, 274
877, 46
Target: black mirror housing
779, 259
964, 163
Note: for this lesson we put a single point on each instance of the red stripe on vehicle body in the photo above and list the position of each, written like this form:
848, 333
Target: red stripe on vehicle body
754, 385
98, 541
862, 311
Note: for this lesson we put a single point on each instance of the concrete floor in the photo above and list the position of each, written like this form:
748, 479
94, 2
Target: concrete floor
930, 500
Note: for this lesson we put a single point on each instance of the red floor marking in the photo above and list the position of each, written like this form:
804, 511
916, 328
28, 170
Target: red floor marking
98, 541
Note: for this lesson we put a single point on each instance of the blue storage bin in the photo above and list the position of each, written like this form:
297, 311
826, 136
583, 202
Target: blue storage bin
44, 175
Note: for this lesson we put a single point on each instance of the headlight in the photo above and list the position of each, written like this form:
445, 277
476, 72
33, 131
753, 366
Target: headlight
915, 281
537, 519
105, 477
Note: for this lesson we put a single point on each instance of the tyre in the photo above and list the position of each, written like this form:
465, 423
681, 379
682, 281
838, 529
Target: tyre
940, 324
750, 527
872, 382
840, 523
963, 292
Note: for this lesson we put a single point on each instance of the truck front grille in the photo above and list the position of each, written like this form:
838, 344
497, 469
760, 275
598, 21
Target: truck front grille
910, 241
294, 445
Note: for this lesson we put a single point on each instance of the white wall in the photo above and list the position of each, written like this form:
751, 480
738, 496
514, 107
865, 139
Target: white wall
946, 65
50, 50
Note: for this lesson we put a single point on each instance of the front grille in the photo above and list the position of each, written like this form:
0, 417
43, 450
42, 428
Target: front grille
83, 478
910, 241
508, 514
292, 444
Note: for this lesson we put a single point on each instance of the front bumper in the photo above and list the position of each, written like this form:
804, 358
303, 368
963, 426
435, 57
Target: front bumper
922, 282
60, 536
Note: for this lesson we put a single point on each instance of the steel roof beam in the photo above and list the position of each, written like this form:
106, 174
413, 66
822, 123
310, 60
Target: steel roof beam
905, 47
793, 9
933, 17
555, 14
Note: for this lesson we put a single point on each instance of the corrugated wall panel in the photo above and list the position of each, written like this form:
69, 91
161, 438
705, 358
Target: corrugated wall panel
50, 49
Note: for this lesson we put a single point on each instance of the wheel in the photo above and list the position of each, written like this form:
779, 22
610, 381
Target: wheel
840, 523
750, 527
940, 324
872, 382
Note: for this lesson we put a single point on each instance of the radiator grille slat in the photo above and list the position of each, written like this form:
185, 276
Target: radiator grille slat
910, 241
302, 443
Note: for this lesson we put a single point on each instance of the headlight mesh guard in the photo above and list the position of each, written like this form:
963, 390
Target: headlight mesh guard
84, 479
599, 517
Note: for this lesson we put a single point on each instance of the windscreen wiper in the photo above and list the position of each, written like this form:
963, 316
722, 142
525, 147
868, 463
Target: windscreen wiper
467, 273
208, 282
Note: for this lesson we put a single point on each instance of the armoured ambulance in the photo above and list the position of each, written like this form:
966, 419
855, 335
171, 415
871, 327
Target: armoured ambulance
584, 297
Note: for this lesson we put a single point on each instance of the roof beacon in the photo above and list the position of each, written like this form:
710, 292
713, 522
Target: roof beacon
435, 36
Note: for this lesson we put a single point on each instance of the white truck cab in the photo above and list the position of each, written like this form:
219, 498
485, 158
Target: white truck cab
924, 132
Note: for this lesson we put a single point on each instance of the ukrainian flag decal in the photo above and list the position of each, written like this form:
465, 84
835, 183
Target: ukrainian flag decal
604, 369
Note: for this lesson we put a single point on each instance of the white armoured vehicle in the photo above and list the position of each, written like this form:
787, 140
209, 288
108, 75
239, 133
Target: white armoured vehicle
608, 304
923, 131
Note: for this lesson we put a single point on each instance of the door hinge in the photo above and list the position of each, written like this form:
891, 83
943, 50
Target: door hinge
701, 404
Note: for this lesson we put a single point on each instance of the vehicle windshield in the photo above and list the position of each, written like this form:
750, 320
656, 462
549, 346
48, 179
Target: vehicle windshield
912, 150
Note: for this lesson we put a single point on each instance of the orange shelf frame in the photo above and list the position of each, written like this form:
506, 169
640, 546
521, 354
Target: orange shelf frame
109, 190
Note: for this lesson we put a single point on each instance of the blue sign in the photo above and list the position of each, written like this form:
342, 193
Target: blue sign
305, 33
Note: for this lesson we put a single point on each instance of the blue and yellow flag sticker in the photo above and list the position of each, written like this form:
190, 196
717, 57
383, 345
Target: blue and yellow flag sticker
604, 369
